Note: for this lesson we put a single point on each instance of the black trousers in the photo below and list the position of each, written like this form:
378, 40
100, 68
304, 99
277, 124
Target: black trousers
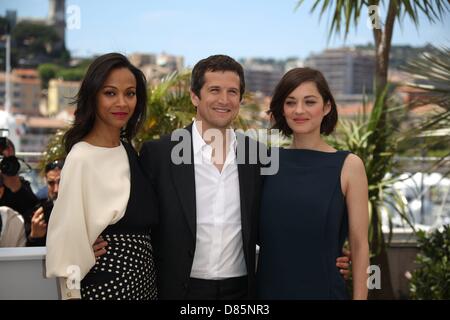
227, 289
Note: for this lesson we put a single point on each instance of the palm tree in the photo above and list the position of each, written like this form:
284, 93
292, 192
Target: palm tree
347, 12
54, 150
431, 76
431, 73
168, 107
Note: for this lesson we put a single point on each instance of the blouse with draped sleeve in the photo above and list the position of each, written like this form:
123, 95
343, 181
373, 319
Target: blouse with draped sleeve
93, 193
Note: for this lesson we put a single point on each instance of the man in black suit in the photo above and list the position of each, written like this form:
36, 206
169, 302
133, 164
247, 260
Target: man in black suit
208, 192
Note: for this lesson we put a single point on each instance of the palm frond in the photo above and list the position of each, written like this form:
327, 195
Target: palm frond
347, 13
431, 73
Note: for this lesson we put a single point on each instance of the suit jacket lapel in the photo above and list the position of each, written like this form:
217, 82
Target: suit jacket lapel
245, 176
183, 176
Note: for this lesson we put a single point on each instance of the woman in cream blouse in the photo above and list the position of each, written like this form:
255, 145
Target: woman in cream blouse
103, 191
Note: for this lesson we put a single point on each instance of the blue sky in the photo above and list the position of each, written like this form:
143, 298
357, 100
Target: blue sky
198, 28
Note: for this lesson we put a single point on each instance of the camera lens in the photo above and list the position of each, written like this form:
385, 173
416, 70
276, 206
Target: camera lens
3, 144
10, 166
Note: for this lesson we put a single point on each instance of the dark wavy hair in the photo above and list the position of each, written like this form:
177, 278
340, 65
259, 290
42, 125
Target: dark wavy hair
214, 63
290, 81
86, 99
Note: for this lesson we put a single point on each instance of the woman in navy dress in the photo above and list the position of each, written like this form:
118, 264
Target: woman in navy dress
318, 198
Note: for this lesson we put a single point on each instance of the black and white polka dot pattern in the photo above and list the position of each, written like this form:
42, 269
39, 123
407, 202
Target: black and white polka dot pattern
125, 272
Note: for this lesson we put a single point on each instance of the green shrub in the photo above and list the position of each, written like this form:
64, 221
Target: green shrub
431, 280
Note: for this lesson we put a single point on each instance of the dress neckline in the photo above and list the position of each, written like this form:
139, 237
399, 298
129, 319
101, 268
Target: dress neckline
311, 150
102, 148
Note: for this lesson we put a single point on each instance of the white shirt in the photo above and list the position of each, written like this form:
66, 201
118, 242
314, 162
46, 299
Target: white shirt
219, 249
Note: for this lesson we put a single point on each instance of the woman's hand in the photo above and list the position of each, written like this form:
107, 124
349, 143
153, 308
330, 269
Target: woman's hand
99, 247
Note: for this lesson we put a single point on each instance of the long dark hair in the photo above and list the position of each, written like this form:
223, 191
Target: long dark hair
86, 99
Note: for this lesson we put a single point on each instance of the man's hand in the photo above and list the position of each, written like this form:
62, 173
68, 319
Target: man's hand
99, 247
12, 183
38, 225
344, 264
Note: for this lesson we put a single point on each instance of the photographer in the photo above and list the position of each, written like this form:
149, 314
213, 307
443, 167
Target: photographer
15, 191
40, 217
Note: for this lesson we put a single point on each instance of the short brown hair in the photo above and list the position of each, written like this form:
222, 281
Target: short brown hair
291, 80
215, 63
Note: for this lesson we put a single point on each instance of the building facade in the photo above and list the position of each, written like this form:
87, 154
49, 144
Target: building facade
262, 77
61, 94
25, 91
349, 71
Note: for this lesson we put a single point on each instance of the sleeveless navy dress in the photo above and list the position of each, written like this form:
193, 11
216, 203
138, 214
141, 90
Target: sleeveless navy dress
303, 226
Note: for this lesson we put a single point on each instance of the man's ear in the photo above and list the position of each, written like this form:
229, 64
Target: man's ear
194, 99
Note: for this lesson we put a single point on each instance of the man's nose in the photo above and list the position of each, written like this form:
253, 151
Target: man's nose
223, 97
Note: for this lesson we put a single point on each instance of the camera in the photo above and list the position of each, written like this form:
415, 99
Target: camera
3, 143
10, 165
3, 139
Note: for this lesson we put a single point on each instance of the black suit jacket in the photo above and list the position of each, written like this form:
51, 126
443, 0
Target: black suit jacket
174, 238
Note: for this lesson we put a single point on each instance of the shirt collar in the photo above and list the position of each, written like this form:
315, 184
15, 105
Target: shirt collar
199, 144
197, 140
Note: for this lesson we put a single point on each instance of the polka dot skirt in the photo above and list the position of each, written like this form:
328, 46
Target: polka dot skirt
125, 272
